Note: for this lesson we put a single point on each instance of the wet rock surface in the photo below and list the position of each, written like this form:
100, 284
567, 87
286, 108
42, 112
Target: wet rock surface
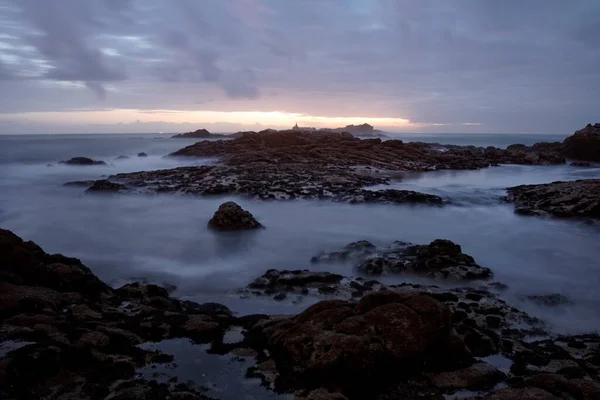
574, 199
584, 144
231, 217
441, 259
82, 161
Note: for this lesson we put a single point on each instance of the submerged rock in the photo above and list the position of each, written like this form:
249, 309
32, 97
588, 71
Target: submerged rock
230, 217
579, 198
79, 183
584, 144
441, 259
82, 161
105, 186
122, 158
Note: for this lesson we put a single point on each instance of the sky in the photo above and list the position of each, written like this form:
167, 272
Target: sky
461, 66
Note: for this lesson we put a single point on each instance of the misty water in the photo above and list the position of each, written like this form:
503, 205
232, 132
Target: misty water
164, 238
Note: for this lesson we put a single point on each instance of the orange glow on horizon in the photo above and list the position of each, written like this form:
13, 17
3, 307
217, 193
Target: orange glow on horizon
250, 118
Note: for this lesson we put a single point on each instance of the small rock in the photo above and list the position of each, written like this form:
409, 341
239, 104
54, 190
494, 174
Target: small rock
231, 216
82, 161
105, 186
142, 154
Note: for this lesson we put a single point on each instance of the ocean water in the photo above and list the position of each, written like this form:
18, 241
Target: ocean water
478, 139
164, 239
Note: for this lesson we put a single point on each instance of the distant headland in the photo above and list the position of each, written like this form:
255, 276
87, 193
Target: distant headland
364, 130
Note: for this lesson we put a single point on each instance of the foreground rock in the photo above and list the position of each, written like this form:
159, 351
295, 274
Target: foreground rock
574, 199
385, 336
75, 337
584, 144
324, 344
441, 259
265, 182
82, 161
231, 217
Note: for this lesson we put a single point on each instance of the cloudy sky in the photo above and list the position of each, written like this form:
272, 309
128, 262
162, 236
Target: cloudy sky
402, 65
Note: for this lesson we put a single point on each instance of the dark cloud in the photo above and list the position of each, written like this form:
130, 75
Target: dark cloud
510, 65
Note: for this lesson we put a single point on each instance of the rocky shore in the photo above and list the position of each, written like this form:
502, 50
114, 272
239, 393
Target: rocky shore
69, 335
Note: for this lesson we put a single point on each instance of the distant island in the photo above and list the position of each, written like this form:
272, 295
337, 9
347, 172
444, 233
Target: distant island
200, 134
364, 130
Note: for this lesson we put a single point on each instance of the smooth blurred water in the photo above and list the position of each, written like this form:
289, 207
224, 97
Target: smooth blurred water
165, 239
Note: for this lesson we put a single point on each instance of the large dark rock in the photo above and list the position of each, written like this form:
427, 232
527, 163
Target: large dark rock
584, 144
82, 161
579, 198
386, 335
231, 217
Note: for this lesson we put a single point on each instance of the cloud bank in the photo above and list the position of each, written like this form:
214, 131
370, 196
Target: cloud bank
459, 66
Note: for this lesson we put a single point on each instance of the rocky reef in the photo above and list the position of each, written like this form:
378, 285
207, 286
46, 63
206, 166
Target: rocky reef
572, 199
266, 182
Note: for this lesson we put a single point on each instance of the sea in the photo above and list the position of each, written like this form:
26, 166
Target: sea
164, 238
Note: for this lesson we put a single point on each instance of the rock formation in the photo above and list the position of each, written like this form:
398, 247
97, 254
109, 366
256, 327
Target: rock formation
441, 259
105, 186
584, 144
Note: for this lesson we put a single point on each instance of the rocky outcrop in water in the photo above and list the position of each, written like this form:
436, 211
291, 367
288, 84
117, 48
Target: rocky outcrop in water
584, 144
441, 259
142, 154
82, 161
574, 199
266, 182
231, 217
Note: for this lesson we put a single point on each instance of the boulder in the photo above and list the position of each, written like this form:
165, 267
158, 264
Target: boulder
82, 161
142, 154
584, 144
386, 334
105, 186
230, 217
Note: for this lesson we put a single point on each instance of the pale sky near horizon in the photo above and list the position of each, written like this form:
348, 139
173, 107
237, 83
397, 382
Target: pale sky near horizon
70, 66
